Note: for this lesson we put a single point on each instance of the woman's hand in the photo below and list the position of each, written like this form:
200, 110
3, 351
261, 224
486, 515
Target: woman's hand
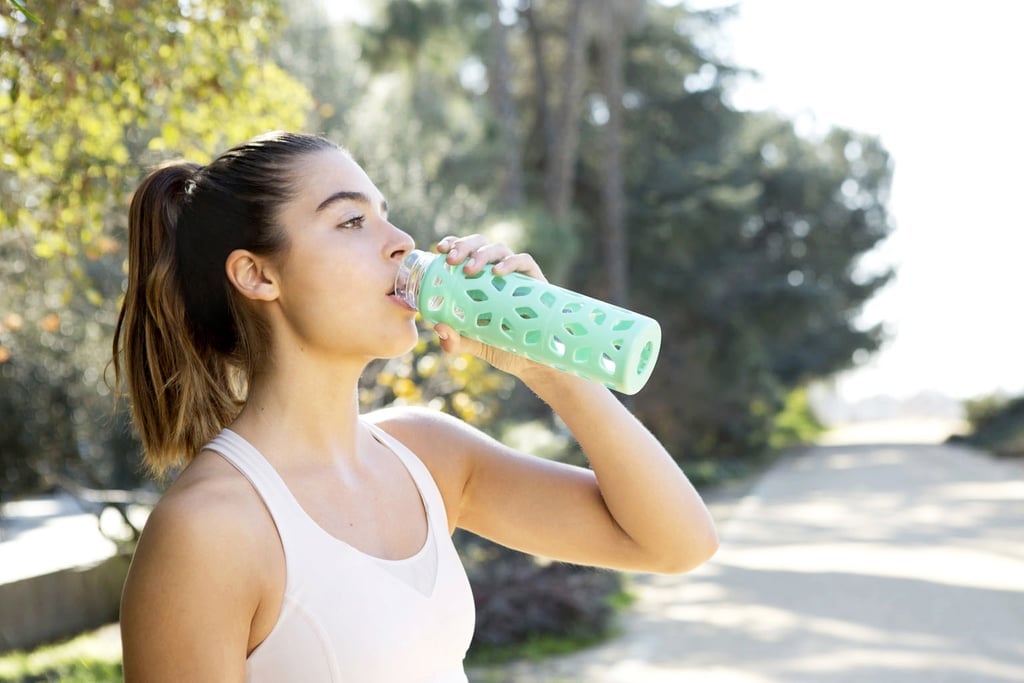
475, 252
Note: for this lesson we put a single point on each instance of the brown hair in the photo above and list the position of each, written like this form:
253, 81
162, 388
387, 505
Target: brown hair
186, 342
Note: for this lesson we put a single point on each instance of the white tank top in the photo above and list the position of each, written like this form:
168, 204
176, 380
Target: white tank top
351, 617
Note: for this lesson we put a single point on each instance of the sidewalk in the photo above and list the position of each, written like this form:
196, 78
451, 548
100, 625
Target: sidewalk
44, 534
851, 563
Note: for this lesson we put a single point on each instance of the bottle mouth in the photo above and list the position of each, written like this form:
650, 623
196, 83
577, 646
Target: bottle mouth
410, 275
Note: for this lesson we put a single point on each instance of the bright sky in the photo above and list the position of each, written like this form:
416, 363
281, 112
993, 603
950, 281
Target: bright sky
940, 83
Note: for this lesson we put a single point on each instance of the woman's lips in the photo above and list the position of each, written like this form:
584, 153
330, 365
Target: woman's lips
401, 302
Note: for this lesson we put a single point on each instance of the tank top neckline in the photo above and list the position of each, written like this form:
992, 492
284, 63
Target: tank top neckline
331, 538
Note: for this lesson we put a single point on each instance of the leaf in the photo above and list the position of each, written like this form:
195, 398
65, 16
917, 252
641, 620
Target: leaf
171, 136
44, 250
20, 5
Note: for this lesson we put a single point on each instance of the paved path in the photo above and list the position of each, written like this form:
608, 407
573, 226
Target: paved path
44, 534
850, 563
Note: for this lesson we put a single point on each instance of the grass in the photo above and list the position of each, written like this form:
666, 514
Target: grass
93, 657
540, 646
536, 648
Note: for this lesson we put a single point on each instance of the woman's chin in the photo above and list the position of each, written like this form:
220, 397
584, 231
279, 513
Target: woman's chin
400, 347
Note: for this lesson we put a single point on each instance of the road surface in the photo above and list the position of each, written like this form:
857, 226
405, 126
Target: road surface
872, 558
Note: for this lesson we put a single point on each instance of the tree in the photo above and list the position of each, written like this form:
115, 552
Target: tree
560, 163
757, 230
640, 183
89, 98
617, 16
506, 115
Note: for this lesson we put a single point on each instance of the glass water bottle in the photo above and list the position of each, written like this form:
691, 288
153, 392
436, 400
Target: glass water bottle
540, 321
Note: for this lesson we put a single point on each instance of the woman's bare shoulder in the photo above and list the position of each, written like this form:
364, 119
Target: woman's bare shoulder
200, 568
213, 495
209, 507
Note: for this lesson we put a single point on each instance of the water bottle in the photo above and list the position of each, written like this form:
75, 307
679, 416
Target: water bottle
540, 321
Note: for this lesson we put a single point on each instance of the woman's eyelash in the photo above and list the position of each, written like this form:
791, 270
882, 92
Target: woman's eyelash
356, 222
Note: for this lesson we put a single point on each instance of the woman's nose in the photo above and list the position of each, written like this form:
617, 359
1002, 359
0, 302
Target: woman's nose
402, 243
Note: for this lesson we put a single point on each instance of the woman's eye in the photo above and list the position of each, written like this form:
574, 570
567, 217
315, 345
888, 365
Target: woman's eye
356, 222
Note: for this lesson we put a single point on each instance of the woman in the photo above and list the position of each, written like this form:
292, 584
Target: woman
303, 541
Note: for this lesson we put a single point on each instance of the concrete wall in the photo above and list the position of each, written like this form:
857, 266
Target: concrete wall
49, 607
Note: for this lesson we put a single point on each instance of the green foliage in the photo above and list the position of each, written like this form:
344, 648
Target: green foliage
996, 424
744, 236
89, 658
756, 232
529, 607
982, 412
463, 385
88, 97
88, 100
796, 424
20, 6
535, 647
77, 671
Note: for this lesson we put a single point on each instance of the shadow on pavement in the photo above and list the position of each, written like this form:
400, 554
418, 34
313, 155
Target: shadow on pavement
878, 563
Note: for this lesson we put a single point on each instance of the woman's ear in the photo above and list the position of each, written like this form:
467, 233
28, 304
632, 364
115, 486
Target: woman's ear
251, 276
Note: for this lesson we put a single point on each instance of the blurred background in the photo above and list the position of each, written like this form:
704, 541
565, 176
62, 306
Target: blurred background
934, 86
812, 198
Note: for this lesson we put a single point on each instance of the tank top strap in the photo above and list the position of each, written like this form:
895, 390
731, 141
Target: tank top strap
421, 475
284, 509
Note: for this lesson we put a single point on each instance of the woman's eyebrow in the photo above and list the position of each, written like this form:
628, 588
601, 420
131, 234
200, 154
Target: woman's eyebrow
351, 196
344, 195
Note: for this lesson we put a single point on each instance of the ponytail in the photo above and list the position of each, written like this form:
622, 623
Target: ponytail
186, 343
181, 395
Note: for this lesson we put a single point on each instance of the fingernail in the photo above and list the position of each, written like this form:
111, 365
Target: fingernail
453, 252
470, 263
442, 335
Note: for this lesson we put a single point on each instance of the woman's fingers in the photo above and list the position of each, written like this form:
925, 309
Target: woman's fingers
519, 263
459, 249
475, 252
488, 253
452, 342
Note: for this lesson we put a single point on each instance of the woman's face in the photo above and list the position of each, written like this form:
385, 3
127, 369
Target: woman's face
337, 273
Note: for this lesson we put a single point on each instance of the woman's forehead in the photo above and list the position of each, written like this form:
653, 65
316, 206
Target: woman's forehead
329, 166
330, 172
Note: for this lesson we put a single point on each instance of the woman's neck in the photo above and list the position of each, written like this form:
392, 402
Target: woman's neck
302, 407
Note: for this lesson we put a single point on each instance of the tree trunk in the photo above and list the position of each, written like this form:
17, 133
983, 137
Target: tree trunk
510, 191
616, 245
540, 76
561, 160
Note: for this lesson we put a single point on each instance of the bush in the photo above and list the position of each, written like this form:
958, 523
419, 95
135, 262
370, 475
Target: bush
797, 423
522, 602
997, 425
982, 412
